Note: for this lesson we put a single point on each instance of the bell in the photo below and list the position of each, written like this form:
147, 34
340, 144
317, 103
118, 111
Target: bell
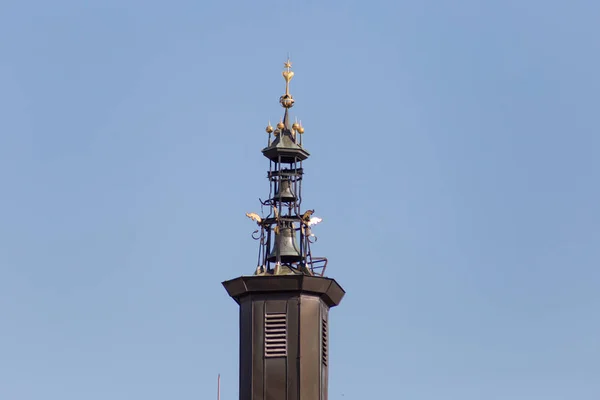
284, 192
285, 247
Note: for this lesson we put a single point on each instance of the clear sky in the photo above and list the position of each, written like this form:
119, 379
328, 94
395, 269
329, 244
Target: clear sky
455, 161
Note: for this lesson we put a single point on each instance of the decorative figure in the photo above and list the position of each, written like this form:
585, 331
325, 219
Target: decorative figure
255, 217
313, 221
306, 231
306, 215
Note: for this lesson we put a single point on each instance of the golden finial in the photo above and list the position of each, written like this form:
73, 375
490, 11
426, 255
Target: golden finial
288, 74
300, 128
280, 125
287, 100
269, 128
296, 126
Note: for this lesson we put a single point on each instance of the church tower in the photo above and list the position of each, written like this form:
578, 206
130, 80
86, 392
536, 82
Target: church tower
284, 305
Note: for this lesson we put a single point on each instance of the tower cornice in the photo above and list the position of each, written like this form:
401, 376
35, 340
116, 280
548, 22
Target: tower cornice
326, 288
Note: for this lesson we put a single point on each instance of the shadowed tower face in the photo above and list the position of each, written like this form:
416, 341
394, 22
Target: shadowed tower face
284, 305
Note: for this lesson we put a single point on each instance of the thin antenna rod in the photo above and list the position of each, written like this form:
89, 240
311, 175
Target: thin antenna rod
219, 387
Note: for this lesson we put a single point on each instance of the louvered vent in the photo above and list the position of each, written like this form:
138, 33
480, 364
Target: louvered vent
324, 340
275, 335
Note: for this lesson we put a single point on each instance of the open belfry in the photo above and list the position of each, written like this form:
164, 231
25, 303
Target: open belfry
284, 304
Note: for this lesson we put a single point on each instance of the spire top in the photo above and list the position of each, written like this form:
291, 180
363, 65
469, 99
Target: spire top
287, 101
286, 120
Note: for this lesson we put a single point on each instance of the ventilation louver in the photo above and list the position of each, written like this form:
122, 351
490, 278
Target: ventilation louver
324, 341
275, 335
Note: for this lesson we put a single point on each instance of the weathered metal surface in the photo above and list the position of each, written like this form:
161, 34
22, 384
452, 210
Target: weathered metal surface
327, 288
303, 302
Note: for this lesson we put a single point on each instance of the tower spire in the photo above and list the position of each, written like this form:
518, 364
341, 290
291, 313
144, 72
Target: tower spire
286, 232
284, 305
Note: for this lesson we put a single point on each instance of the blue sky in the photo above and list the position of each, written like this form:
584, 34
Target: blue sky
454, 161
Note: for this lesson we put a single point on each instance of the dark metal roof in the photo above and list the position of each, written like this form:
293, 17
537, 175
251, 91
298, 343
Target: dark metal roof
285, 145
328, 289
